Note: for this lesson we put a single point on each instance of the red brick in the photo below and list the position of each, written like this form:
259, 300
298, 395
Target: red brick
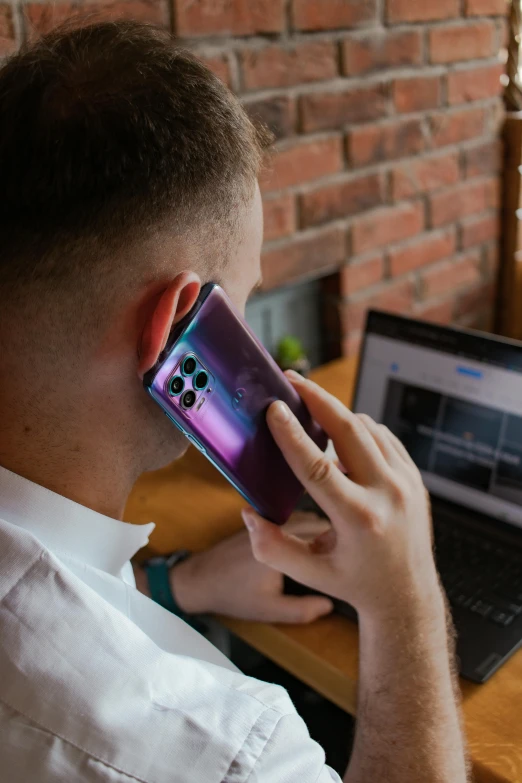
279, 216
7, 33
457, 126
477, 298
228, 17
496, 113
436, 311
300, 162
462, 42
340, 199
303, 257
417, 94
421, 10
493, 192
385, 226
336, 109
277, 66
332, 14
422, 252
422, 175
278, 113
505, 32
482, 320
475, 84
351, 345
396, 297
141, 10
492, 259
361, 274
478, 230
375, 51
219, 65
485, 158
486, 7
465, 199
451, 275
42, 18
375, 143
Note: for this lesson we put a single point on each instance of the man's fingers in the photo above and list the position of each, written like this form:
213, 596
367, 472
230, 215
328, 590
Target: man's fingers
273, 547
323, 480
300, 609
354, 445
287, 554
380, 436
401, 448
306, 525
324, 543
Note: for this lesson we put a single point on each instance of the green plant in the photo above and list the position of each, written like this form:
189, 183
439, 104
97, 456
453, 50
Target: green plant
289, 351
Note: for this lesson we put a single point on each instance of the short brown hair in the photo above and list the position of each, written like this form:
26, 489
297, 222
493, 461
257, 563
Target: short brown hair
108, 132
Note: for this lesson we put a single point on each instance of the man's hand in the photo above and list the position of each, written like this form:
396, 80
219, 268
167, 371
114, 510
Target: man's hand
378, 557
378, 553
227, 579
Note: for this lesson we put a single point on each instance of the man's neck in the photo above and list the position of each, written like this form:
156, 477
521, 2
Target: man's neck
97, 478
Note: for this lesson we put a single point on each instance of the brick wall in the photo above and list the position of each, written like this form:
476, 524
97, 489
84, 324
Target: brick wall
387, 116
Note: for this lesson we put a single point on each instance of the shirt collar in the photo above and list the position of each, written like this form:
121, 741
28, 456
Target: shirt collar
68, 528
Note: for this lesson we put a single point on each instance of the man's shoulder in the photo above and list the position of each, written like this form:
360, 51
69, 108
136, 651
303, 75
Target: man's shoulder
83, 672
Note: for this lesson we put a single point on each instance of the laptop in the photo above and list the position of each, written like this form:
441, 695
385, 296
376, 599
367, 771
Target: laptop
454, 398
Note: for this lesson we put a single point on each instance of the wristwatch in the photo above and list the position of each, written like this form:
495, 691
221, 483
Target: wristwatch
158, 577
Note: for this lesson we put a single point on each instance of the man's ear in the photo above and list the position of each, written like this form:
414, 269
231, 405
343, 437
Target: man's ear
175, 301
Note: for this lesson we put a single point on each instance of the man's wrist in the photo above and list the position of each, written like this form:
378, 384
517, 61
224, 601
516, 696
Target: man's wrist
184, 586
416, 607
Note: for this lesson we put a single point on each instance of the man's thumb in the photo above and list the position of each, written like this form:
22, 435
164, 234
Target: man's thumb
303, 609
270, 545
283, 552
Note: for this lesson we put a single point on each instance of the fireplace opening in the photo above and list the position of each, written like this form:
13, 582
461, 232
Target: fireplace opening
306, 312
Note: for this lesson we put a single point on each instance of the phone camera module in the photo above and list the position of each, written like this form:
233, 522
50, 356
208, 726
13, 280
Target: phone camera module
188, 399
201, 380
189, 366
176, 385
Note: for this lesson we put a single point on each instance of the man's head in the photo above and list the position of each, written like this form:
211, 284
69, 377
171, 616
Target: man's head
130, 176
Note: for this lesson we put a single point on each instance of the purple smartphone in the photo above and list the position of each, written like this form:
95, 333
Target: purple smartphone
215, 381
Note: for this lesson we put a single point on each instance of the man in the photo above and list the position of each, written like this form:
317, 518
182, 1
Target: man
130, 178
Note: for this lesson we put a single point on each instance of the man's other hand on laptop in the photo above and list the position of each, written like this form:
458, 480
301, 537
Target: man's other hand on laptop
226, 579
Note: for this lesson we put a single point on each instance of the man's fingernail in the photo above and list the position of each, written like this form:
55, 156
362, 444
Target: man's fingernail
327, 606
280, 412
292, 375
249, 520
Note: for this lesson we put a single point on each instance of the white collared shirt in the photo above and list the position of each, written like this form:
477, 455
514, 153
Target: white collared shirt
99, 683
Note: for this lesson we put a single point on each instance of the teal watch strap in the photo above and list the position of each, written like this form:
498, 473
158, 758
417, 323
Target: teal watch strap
157, 570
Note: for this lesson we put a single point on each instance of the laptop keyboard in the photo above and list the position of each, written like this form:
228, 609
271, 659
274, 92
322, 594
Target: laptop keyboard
479, 574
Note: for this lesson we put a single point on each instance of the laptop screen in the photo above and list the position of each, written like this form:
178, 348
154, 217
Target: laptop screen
454, 398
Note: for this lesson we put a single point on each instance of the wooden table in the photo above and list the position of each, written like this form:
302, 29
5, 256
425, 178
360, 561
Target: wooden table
193, 507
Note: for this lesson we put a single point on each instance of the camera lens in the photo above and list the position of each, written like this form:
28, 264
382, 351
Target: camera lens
188, 399
176, 385
201, 380
189, 366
